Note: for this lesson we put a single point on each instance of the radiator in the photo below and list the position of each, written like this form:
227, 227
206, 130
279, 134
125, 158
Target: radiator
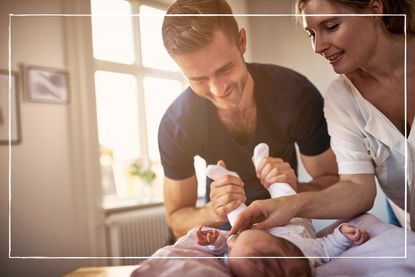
137, 233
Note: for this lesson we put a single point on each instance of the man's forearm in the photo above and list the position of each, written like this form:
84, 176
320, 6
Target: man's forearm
184, 219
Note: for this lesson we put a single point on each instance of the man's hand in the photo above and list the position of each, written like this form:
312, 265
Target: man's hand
226, 194
264, 214
274, 170
206, 237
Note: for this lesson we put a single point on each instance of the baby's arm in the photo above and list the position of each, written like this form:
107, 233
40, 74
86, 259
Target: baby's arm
342, 238
213, 239
354, 234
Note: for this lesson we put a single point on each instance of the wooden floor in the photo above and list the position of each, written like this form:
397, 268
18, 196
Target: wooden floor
104, 271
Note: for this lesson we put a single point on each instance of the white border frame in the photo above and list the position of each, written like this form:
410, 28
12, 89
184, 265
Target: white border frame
247, 15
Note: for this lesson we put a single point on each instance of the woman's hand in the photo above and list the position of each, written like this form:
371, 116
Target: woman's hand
226, 194
274, 170
206, 237
264, 214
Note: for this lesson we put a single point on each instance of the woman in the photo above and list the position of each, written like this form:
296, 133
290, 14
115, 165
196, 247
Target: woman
364, 108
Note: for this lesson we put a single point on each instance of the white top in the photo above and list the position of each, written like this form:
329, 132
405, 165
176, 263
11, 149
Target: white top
365, 141
319, 251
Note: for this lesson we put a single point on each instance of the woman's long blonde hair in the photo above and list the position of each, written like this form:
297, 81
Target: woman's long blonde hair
394, 24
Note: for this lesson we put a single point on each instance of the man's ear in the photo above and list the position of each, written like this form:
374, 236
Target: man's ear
242, 40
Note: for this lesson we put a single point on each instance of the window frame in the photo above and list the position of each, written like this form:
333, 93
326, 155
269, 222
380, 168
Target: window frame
140, 72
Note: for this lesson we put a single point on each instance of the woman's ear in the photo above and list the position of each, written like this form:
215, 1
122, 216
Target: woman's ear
376, 6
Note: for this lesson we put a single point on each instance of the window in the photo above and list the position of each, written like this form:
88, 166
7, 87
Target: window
135, 82
109, 43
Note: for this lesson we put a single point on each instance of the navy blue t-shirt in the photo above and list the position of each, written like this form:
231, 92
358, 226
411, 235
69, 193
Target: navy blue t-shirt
289, 110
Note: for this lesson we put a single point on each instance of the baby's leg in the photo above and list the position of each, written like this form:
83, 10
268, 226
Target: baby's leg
216, 172
354, 234
276, 190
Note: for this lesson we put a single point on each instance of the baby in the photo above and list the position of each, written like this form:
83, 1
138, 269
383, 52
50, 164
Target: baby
296, 239
259, 243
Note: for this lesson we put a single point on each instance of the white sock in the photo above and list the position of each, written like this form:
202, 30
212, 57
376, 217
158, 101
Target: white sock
261, 151
216, 172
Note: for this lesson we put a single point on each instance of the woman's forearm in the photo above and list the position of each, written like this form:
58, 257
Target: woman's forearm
318, 183
342, 200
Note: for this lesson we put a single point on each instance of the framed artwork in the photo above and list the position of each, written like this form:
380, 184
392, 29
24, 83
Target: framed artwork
4, 108
46, 85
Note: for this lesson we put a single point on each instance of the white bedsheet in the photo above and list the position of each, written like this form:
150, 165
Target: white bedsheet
385, 241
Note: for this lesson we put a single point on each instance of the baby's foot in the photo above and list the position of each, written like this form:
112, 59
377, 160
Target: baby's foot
354, 234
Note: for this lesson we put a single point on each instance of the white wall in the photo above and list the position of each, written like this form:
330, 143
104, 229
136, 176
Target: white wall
281, 40
49, 211
241, 7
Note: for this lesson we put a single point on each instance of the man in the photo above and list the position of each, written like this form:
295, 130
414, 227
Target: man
228, 109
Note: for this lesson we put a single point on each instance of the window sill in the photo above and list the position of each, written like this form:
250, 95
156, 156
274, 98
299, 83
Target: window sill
122, 205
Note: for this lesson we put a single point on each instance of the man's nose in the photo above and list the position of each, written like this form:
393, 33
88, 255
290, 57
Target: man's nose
217, 86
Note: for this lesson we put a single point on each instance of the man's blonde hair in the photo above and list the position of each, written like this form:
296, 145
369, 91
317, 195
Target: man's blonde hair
184, 34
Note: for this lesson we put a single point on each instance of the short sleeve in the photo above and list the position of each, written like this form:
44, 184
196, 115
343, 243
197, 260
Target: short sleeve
310, 128
175, 151
347, 141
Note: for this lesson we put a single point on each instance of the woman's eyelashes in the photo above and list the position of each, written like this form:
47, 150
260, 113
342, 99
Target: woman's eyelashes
311, 34
329, 28
332, 27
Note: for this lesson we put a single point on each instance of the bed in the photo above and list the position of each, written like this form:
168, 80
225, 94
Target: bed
382, 255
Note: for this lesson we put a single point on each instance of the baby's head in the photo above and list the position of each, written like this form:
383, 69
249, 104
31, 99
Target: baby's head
258, 243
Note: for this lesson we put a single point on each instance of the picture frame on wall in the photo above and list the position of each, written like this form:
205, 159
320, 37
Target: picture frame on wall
46, 85
5, 93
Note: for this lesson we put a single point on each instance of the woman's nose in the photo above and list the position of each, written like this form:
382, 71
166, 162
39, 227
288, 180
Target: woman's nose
320, 44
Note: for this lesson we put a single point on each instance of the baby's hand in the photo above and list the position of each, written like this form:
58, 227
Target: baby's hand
354, 234
205, 237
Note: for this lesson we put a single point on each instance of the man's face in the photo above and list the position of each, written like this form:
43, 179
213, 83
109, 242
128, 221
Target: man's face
217, 71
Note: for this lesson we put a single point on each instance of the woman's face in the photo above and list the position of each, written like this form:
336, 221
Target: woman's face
347, 42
